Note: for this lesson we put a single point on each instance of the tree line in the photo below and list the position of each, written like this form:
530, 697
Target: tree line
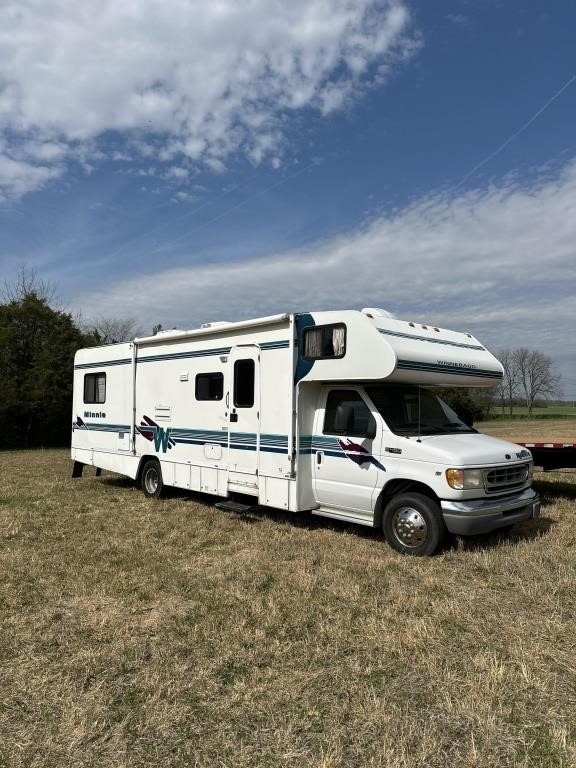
38, 341
529, 378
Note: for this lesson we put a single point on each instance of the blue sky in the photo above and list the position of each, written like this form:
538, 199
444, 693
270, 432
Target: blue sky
179, 161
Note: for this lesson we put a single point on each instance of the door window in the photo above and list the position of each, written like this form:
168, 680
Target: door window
244, 377
347, 414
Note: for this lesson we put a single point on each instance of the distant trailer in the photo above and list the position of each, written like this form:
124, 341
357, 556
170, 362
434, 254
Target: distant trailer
552, 455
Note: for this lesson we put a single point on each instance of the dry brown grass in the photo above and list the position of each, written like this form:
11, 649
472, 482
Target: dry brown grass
531, 430
144, 633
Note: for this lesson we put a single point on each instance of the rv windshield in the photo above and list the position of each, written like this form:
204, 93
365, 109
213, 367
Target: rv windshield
413, 410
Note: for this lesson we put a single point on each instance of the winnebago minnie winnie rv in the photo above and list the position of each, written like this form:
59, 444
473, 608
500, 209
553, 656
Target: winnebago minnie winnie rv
333, 412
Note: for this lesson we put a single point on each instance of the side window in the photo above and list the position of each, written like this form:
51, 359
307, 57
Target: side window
322, 342
95, 388
244, 374
209, 386
347, 414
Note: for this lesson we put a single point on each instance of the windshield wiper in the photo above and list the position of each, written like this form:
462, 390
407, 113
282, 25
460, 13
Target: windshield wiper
459, 427
412, 427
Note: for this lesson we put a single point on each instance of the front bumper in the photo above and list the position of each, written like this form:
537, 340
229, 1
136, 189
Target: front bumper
469, 517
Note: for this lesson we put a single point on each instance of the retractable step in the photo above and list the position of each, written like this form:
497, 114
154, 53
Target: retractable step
237, 506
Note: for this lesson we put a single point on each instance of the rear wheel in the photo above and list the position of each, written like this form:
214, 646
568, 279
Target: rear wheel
412, 524
151, 479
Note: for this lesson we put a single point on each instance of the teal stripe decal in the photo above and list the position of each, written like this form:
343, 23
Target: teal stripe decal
243, 441
265, 346
184, 355
413, 336
123, 361
275, 345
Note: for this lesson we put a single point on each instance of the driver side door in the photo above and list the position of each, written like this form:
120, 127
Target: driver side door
345, 450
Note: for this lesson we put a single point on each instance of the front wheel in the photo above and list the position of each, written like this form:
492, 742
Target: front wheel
151, 479
413, 524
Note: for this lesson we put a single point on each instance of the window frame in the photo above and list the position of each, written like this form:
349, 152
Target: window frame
332, 326
211, 374
94, 376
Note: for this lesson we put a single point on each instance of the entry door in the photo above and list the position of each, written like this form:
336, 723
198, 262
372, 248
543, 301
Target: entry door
345, 451
243, 406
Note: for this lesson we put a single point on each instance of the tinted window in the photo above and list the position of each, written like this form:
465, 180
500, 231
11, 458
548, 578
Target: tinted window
244, 371
347, 414
324, 341
209, 386
95, 388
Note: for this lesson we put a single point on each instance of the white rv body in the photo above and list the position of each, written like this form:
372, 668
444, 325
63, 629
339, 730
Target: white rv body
244, 408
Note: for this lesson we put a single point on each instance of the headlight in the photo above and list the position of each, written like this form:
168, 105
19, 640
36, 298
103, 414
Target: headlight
465, 479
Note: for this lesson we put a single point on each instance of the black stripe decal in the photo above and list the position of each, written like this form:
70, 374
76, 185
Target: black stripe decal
456, 370
432, 341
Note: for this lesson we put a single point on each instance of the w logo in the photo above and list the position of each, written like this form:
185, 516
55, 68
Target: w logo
153, 432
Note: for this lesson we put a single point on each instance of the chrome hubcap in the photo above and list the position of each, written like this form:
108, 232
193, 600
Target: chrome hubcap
151, 480
409, 527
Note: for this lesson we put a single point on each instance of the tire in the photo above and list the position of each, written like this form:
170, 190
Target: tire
151, 479
412, 524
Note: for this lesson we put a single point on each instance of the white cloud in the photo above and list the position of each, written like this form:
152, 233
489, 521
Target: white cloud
18, 177
177, 173
500, 262
207, 78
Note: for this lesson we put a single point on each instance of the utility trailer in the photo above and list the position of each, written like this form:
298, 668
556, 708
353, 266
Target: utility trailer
552, 455
331, 412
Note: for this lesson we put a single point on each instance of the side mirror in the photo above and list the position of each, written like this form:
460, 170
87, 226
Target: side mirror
466, 415
371, 428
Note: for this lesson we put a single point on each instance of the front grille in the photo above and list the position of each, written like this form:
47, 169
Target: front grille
502, 479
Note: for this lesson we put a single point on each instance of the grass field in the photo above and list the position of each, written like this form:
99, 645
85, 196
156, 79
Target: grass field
530, 430
169, 633
547, 412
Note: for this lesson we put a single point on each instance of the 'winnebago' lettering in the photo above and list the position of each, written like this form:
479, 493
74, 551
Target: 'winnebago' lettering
457, 365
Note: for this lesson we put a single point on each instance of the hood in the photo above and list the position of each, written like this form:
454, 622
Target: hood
466, 450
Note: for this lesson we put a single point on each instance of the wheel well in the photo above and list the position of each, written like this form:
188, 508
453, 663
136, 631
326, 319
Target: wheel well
143, 460
396, 487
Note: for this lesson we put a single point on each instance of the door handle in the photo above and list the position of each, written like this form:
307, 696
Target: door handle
233, 417
319, 456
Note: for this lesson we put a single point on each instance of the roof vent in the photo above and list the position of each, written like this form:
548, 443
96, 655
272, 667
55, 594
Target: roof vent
374, 312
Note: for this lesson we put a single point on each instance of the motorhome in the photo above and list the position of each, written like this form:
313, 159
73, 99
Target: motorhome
332, 412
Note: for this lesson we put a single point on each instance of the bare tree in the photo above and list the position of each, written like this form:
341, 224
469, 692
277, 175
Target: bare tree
112, 330
510, 385
28, 283
536, 375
